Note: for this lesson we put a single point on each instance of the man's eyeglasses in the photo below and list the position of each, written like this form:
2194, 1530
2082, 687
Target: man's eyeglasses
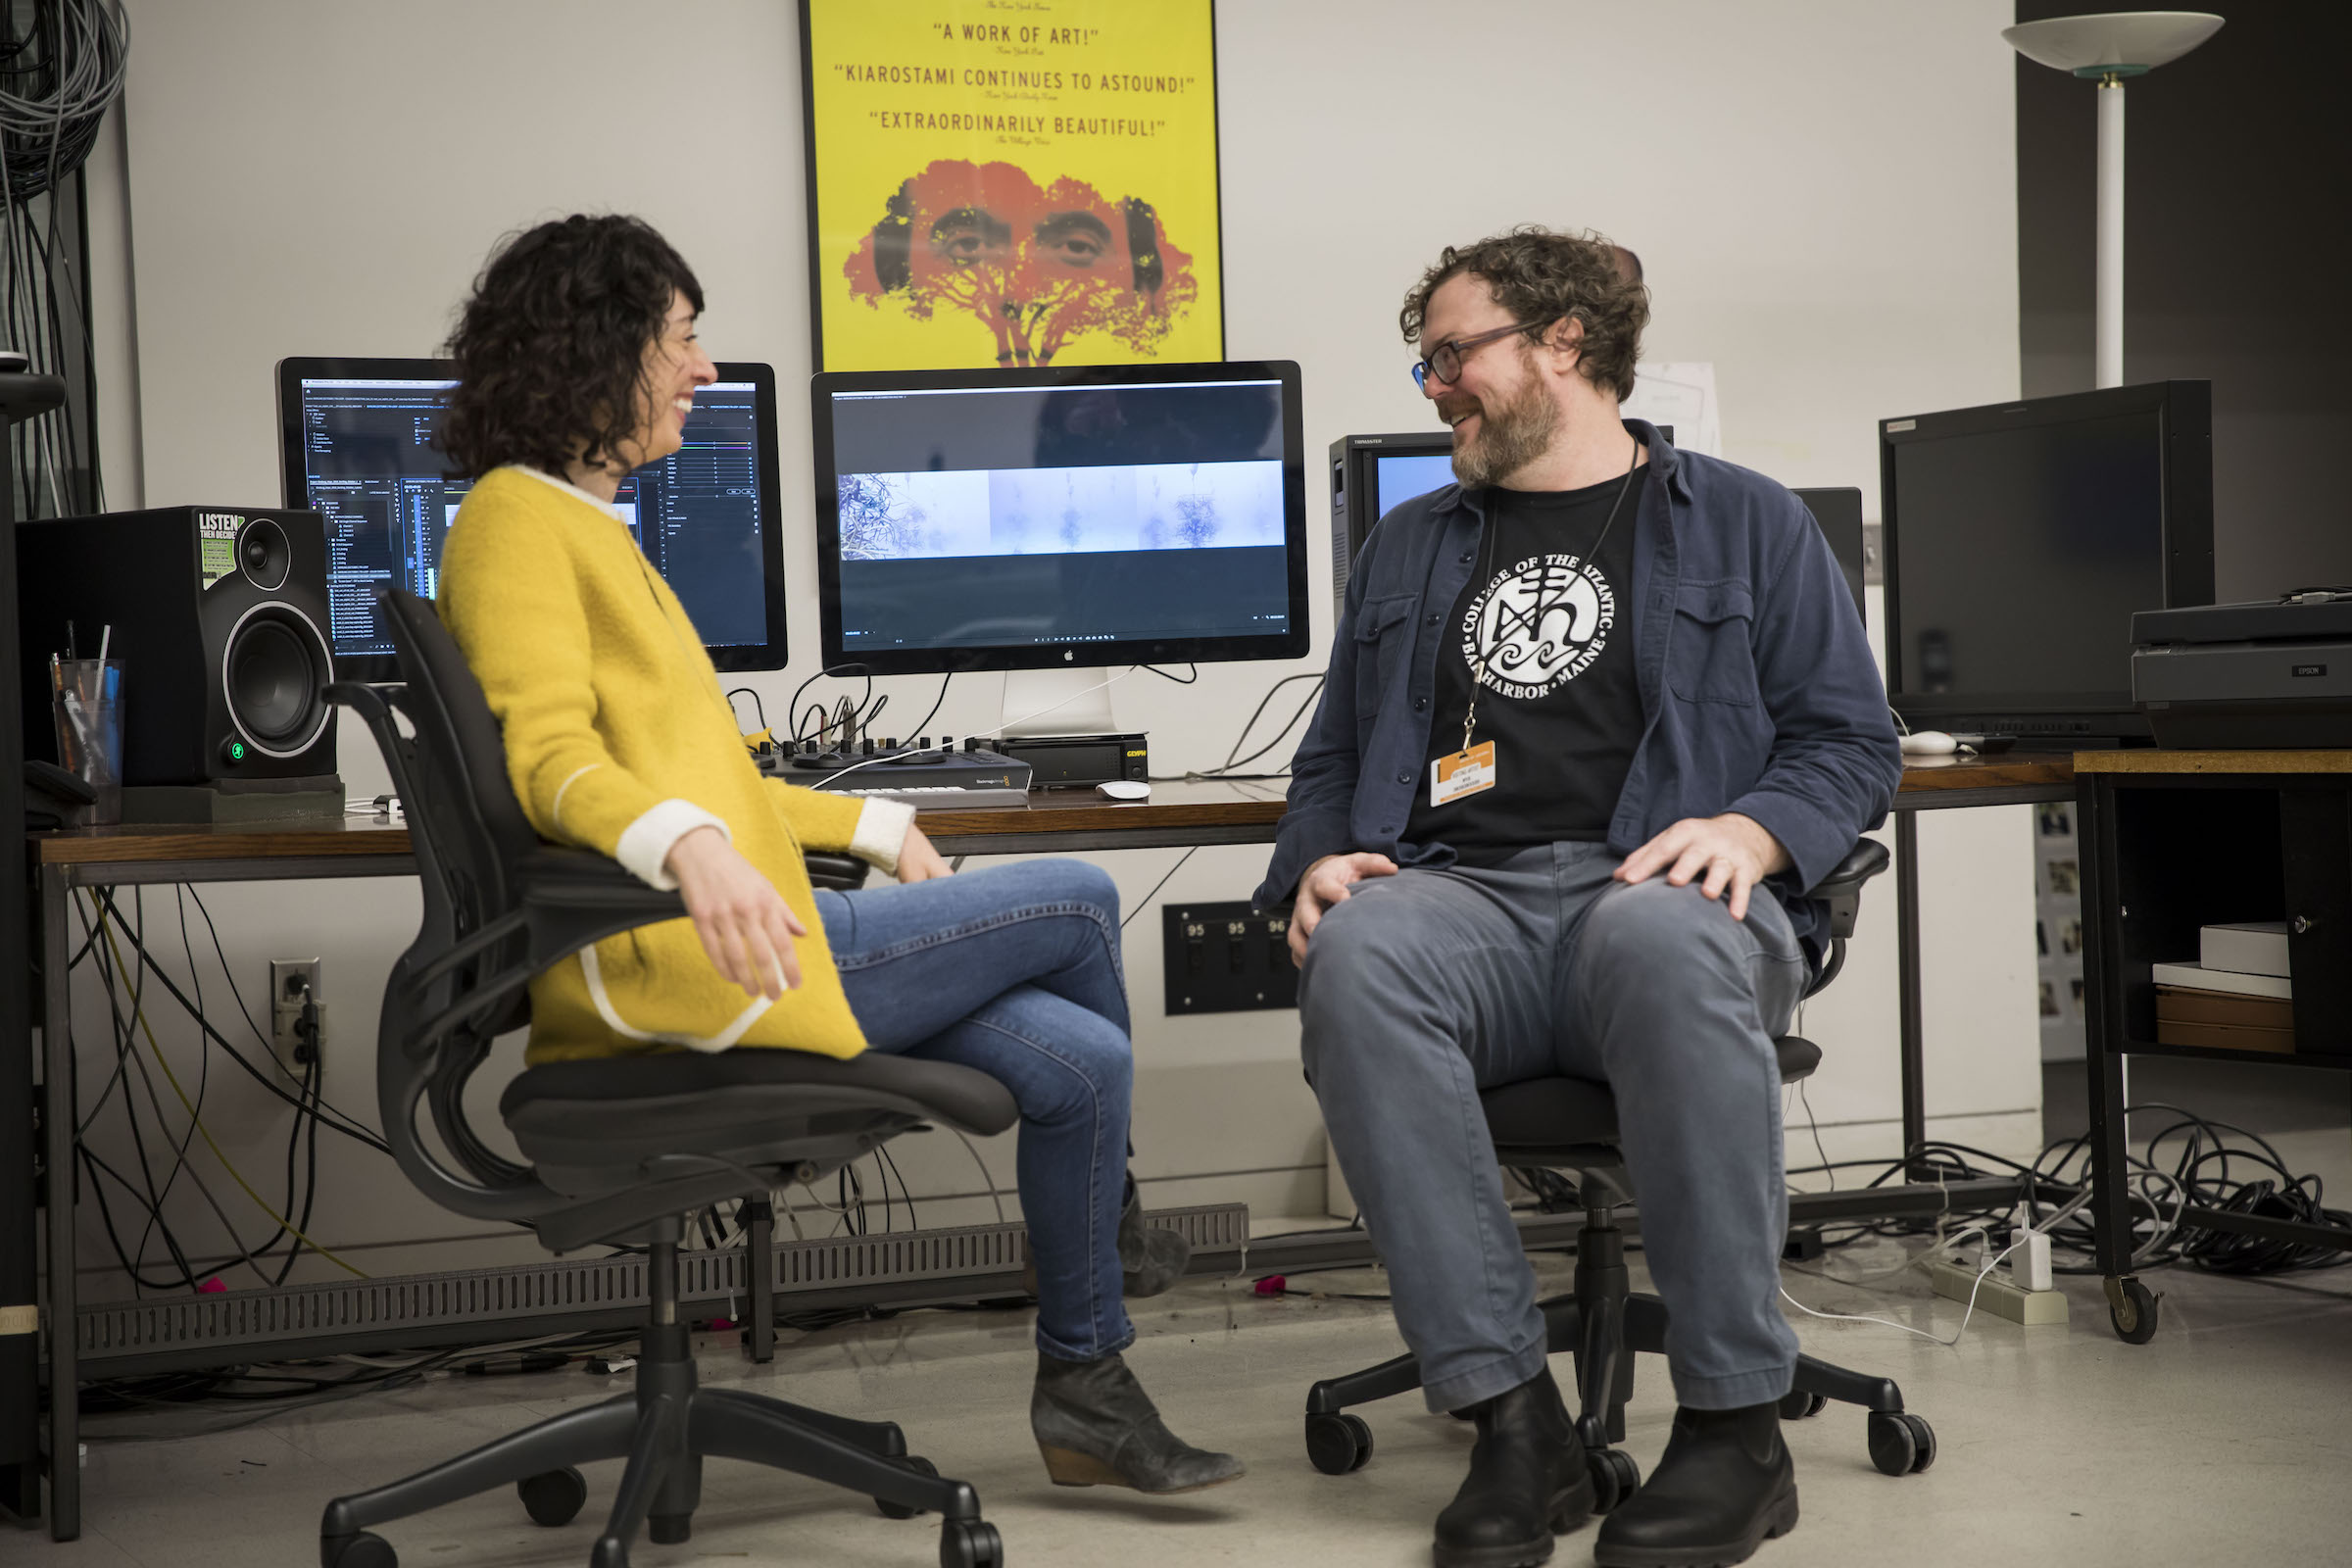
1445, 362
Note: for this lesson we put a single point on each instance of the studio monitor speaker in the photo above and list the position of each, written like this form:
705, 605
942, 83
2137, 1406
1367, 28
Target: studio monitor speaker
219, 616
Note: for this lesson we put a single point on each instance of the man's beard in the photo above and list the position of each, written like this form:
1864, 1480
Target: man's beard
1511, 437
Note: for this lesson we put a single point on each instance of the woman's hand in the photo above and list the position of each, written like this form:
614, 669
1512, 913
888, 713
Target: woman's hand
918, 861
745, 924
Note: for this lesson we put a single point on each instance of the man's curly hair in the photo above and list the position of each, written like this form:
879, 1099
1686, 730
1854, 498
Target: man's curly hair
551, 346
1540, 277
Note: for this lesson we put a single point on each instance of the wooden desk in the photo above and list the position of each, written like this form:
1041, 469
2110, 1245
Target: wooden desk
2170, 841
1053, 822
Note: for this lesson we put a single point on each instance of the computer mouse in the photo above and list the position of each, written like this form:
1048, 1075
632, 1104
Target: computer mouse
1125, 789
1928, 743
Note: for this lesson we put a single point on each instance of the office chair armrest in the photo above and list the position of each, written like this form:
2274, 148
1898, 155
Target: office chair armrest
841, 873
1841, 891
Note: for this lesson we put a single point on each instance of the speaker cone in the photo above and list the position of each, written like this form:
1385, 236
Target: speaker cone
264, 553
275, 671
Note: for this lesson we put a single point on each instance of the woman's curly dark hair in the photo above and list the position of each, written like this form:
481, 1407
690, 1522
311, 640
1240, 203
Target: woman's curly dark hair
551, 346
1540, 277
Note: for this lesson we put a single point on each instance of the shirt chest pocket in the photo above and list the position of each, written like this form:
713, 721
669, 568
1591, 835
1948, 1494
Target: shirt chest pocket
1384, 648
1711, 656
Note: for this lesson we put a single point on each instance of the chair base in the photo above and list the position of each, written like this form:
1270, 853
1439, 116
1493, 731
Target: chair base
1604, 1325
664, 1431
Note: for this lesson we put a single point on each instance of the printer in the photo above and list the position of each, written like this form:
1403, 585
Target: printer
2270, 674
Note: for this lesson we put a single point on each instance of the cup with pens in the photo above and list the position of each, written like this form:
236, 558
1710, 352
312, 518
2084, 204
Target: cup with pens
86, 700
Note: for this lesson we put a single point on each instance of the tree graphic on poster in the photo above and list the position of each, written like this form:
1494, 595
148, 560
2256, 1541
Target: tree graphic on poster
1040, 267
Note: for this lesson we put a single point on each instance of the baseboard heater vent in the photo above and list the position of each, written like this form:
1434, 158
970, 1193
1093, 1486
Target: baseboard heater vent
355, 1314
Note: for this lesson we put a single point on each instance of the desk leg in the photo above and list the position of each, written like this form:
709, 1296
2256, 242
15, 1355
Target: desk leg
1907, 966
2131, 1307
57, 1072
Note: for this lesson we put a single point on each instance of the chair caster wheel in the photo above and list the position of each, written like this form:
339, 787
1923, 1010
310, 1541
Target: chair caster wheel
1797, 1405
2131, 1310
900, 1510
1615, 1477
1900, 1444
1337, 1444
552, 1496
970, 1543
669, 1529
360, 1550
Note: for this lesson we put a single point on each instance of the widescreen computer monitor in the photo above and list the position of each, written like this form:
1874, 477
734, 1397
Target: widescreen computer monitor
1059, 518
2019, 539
357, 439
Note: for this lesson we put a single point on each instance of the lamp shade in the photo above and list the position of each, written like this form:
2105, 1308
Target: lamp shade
2124, 43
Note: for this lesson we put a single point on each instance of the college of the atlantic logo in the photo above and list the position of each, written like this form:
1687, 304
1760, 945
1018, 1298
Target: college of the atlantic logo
1538, 626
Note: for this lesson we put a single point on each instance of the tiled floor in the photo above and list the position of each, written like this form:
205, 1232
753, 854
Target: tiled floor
2224, 1441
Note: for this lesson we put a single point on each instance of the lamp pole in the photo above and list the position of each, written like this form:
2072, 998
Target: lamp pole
2108, 49
2107, 337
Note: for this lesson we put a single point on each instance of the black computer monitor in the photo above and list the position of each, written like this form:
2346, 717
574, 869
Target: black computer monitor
357, 440
2019, 539
1030, 519
1370, 474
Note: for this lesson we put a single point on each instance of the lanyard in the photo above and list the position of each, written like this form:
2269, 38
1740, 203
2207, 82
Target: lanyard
1486, 548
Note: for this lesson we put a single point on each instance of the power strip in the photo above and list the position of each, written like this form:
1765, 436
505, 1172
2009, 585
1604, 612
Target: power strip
1999, 1295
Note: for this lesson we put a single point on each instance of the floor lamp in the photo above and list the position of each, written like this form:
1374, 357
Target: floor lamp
2107, 49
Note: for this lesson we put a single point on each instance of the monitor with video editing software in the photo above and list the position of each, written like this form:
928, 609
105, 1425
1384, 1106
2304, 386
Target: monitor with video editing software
1058, 518
2019, 539
357, 440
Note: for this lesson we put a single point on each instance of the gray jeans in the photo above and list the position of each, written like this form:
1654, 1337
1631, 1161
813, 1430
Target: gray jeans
1423, 987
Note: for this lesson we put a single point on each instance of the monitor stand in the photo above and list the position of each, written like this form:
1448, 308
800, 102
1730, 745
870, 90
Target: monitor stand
1056, 702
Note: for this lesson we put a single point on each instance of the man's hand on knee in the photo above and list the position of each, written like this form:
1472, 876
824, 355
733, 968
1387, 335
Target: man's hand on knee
1733, 852
1325, 884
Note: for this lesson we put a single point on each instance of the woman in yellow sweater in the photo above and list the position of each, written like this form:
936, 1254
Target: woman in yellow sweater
578, 363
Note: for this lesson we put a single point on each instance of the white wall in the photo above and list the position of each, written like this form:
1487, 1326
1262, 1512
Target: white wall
1822, 192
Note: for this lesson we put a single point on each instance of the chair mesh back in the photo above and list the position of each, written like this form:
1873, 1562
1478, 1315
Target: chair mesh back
465, 805
466, 753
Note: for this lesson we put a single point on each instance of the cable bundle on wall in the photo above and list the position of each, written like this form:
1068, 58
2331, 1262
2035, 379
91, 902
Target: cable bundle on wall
61, 70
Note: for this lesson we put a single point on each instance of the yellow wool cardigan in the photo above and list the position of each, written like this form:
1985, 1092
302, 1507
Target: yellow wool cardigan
619, 739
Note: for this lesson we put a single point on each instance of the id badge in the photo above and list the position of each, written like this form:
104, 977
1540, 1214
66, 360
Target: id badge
1463, 773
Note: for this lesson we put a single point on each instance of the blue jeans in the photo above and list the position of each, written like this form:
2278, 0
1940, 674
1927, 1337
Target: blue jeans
1014, 970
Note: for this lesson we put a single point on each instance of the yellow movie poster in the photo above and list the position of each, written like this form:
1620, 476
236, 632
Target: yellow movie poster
1012, 182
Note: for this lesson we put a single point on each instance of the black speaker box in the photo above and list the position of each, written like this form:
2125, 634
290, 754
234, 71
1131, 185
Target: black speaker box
219, 616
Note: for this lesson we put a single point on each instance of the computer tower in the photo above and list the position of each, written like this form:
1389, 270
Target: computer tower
219, 616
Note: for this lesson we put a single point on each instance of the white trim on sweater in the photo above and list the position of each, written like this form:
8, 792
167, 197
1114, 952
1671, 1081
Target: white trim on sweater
881, 832
709, 1044
646, 843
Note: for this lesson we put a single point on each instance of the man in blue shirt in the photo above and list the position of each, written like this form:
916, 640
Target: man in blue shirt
1597, 716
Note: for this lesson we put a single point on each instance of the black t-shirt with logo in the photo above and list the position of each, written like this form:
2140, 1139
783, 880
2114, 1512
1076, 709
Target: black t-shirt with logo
1558, 698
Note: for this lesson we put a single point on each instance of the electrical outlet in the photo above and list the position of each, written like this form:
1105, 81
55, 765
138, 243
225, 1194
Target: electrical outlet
294, 987
1226, 958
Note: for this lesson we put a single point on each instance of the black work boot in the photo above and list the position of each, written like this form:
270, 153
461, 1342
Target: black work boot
1724, 1488
1096, 1427
1527, 1483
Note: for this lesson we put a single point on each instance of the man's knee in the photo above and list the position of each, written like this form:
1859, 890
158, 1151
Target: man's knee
1363, 964
1654, 932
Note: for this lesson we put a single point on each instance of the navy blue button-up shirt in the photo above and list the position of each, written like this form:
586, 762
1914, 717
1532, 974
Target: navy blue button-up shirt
1758, 691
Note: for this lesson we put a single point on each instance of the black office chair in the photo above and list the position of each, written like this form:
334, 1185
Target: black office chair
1571, 1124
620, 1149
